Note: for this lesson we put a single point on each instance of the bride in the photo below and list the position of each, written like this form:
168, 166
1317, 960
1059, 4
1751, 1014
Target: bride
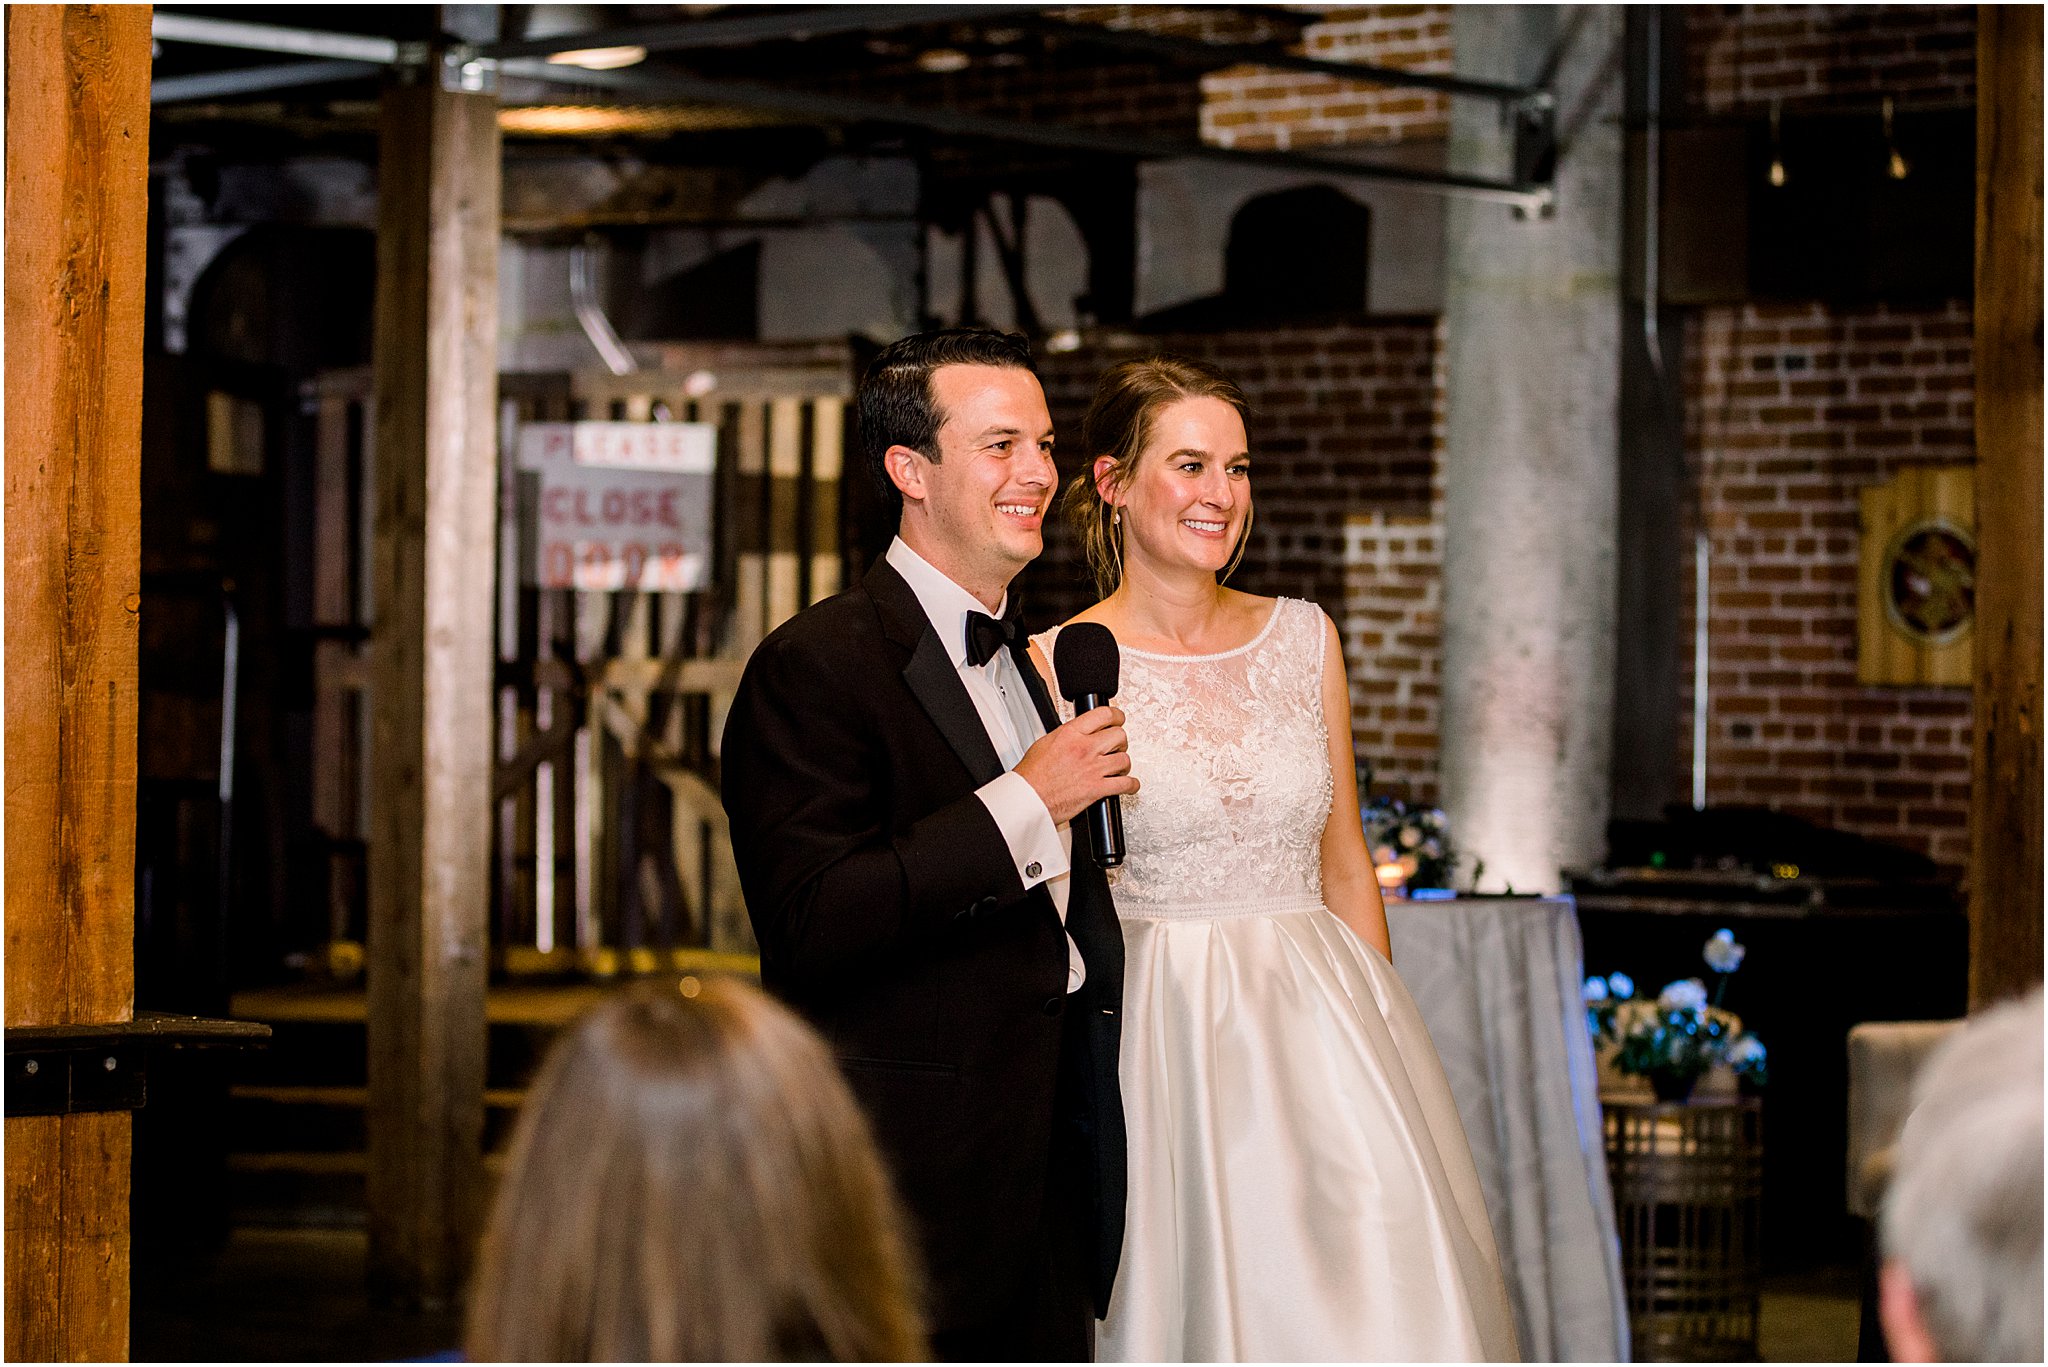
1300, 1186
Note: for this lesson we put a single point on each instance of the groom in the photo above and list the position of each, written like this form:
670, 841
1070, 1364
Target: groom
900, 798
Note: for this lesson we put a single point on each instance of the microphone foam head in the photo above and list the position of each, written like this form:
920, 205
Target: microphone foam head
1085, 659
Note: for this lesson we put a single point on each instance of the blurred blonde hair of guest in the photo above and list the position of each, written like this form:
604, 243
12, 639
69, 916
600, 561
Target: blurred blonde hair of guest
1962, 1216
692, 1181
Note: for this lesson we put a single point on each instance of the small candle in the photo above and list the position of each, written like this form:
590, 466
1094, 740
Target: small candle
1390, 877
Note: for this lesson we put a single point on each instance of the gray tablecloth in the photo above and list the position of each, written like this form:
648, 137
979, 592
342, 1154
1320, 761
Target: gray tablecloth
1497, 981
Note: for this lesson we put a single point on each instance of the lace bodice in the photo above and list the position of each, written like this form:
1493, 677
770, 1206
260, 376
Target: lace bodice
1233, 759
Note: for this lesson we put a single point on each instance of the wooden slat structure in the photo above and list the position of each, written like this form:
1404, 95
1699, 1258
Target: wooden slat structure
77, 83
658, 702
2005, 845
610, 851
343, 496
435, 366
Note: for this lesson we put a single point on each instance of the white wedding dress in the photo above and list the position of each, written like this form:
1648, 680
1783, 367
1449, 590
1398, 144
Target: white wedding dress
1300, 1186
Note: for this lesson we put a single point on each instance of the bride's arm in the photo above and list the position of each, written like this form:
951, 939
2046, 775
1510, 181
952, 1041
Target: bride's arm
1348, 885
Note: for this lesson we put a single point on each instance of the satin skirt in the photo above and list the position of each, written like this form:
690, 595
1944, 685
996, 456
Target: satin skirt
1300, 1186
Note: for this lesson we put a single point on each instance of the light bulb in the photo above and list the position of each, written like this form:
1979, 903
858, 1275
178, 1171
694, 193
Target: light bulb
600, 58
1777, 153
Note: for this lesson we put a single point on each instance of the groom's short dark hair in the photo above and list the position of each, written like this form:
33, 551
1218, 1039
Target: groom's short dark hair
894, 405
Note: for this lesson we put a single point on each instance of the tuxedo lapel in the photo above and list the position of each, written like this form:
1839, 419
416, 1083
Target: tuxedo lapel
936, 683
932, 678
1034, 684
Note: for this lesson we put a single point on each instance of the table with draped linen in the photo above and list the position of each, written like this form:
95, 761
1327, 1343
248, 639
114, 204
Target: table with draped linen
1498, 984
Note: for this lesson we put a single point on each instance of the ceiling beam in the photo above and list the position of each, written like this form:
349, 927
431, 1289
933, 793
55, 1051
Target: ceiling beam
736, 30
672, 84
649, 83
1194, 51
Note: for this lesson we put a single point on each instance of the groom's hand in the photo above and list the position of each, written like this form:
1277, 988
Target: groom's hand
1080, 764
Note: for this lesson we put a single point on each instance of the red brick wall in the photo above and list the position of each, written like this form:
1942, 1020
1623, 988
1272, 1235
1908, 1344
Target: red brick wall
1741, 57
1265, 108
1343, 420
1791, 410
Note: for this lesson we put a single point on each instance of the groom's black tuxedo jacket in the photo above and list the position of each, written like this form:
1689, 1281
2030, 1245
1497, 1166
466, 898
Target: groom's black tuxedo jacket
890, 913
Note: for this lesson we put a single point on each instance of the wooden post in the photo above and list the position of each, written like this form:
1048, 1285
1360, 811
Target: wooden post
431, 679
2005, 825
77, 183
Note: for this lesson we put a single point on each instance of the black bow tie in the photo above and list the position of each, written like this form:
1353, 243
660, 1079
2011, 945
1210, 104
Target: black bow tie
986, 636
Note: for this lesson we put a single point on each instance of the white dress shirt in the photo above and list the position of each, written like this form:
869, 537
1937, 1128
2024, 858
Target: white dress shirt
1042, 851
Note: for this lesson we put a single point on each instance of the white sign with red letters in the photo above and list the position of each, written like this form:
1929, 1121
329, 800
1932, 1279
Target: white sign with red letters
622, 505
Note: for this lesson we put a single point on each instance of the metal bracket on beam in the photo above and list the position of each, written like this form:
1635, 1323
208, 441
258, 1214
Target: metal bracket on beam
72, 1080
74, 1069
464, 70
1535, 153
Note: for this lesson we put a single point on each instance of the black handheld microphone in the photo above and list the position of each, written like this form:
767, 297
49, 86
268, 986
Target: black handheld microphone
1085, 659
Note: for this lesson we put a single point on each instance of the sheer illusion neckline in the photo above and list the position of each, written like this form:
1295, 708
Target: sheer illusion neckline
1252, 644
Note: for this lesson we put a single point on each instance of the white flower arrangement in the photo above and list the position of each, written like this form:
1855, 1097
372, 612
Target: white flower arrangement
1418, 839
1677, 1037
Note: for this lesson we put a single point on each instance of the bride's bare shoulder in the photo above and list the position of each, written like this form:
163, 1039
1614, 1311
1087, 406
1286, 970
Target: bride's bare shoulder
1101, 613
1250, 609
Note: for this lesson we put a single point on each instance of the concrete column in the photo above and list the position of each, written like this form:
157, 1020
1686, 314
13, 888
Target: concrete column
1532, 320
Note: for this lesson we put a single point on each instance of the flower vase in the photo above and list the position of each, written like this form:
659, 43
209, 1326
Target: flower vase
1673, 1086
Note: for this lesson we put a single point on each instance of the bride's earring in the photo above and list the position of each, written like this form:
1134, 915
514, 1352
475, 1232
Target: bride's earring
1115, 517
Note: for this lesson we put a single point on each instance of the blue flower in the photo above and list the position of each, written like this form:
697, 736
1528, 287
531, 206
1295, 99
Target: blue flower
1595, 991
1622, 985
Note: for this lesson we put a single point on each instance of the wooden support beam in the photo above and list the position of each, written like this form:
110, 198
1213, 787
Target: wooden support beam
77, 84
431, 681
2005, 825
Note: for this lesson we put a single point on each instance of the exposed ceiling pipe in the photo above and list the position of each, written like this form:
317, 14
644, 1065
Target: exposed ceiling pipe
596, 326
167, 26
672, 84
1653, 191
251, 80
1702, 603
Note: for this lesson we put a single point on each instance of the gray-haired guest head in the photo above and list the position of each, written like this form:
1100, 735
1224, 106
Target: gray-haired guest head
1962, 1216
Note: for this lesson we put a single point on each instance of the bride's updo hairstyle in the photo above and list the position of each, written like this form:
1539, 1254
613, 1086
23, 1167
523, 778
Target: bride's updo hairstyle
1128, 399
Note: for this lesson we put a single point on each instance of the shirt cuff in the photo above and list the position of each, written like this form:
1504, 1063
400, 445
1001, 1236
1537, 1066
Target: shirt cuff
1027, 828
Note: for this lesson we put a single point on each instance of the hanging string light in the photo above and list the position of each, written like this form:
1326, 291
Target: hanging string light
1777, 149
1895, 165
